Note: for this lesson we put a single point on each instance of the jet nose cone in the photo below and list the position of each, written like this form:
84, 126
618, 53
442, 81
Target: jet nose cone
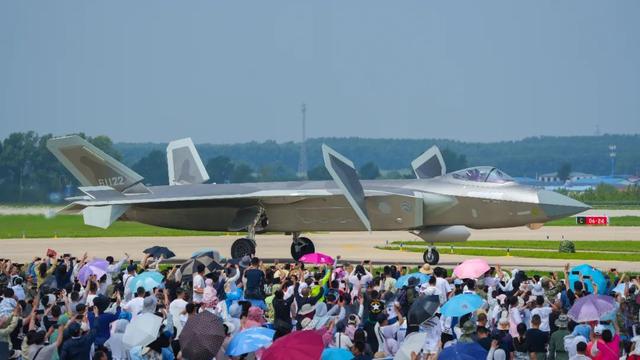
557, 206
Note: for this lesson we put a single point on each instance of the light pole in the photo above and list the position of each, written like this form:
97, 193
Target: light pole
612, 155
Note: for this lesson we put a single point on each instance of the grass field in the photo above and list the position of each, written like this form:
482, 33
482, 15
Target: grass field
613, 221
528, 253
621, 246
37, 226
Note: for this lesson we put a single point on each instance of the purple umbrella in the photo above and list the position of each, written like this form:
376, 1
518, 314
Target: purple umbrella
95, 267
591, 308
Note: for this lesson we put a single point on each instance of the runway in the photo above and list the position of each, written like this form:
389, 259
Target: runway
354, 247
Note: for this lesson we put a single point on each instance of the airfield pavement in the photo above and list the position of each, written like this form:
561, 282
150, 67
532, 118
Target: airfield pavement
353, 247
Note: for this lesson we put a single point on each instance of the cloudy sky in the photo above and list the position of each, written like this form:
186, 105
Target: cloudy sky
233, 71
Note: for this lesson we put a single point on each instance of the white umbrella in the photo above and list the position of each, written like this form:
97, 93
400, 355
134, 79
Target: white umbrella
142, 330
413, 342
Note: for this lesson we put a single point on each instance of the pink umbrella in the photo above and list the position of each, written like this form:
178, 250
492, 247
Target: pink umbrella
471, 269
95, 267
316, 258
299, 345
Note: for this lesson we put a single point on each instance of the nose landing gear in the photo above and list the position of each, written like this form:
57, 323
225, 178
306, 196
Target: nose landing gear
431, 256
301, 246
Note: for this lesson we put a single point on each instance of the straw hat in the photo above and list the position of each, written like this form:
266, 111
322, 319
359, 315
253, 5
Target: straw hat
426, 269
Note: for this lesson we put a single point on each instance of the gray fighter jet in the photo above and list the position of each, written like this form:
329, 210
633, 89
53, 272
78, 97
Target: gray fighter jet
436, 206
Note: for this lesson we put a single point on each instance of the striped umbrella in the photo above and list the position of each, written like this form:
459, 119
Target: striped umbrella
190, 267
202, 336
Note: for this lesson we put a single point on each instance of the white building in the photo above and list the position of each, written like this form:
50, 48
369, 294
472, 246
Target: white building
573, 176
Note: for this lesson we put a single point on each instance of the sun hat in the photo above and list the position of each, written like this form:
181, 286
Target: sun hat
537, 290
562, 321
306, 309
426, 269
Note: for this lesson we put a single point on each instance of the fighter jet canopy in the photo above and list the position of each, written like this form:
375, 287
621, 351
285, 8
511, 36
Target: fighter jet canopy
486, 174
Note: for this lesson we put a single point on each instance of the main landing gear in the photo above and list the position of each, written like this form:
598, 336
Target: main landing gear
431, 256
301, 246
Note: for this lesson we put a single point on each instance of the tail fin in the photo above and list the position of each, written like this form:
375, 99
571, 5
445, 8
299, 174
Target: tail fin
185, 165
430, 164
90, 165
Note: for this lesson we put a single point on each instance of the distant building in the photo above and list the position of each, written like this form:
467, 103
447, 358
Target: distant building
573, 176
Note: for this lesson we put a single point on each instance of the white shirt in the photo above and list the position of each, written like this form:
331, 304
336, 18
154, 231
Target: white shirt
134, 306
444, 288
176, 308
429, 290
342, 341
126, 279
571, 343
198, 283
544, 313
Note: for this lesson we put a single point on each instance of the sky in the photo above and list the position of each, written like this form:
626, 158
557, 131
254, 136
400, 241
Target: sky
237, 71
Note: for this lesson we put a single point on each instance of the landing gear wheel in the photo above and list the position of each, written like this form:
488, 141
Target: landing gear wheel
300, 247
431, 256
242, 247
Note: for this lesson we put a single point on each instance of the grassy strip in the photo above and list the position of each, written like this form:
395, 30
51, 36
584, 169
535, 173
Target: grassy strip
623, 246
528, 254
613, 221
37, 226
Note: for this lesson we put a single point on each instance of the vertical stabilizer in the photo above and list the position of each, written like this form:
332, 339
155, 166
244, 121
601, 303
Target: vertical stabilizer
344, 174
90, 165
185, 165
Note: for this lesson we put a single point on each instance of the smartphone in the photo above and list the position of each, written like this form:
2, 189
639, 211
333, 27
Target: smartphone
575, 273
60, 303
613, 270
367, 261
113, 300
40, 311
586, 277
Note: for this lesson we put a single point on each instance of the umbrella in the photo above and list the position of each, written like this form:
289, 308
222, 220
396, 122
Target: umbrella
423, 309
299, 345
157, 251
250, 340
404, 279
587, 270
591, 308
471, 269
463, 351
619, 289
148, 280
142, 330
412, 343
190, 267
316, 258
202, 336
336, 354
461, 304
94, 267
207, 252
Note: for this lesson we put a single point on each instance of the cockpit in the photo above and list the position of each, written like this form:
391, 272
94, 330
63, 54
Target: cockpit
487, 174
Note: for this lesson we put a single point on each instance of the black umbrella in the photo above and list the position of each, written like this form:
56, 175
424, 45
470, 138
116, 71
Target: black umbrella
202, 336
157, 251
422, 310
191, 267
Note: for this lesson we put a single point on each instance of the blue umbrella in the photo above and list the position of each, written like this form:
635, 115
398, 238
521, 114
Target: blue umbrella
587, 270
404, 279
250, 340
619, 289
148, 280
463, 351
461, 305
336, 354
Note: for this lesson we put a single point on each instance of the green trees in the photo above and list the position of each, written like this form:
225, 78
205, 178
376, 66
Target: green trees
369, 171
153, 168
564, 172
